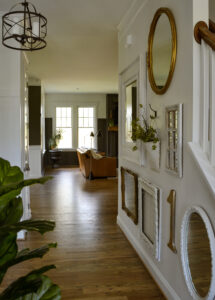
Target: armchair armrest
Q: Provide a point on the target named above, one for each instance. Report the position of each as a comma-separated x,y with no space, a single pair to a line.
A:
104,167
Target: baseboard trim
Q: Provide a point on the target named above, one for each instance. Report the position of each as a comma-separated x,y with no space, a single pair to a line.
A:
163,284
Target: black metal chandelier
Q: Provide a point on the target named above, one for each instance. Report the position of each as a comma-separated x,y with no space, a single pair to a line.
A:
23,28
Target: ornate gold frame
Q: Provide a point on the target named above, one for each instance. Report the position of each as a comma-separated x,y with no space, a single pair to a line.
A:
134,217
159,12
172,201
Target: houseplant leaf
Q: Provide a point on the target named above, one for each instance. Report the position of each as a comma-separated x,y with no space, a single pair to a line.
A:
40,226
19,185
9,174
11,211
33,284
25,285
24,255
47,291
8,251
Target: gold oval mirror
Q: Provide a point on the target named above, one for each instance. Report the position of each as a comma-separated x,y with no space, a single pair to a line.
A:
162,50
199,255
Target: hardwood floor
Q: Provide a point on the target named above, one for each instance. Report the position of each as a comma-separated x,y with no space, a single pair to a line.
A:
94,260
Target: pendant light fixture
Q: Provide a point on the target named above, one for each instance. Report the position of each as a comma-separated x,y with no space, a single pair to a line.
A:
23,28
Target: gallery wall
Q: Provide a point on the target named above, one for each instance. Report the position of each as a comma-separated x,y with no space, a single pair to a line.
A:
191,189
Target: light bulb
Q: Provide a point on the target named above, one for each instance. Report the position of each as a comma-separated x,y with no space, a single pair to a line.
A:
36,29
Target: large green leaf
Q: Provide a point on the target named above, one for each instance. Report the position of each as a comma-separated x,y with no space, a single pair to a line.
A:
12,212
24,255
40,226
6,198
18,185
25,285
9,174
8,251
33,286
47,291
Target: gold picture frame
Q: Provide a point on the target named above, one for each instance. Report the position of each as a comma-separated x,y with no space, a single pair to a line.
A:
168,13
130,201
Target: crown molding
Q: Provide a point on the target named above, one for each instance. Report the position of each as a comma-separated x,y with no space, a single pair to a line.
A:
130,16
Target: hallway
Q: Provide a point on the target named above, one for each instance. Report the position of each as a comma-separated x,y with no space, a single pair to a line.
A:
94,260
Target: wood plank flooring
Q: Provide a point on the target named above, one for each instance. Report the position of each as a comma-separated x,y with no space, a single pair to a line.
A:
94,260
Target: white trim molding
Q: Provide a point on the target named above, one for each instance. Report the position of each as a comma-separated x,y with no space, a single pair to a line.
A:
130,17
35,162
204,165
176,130
184,256
152,242
203,142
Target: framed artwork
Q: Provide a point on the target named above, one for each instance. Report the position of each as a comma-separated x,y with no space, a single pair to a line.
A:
150,214
198,253
129,188
174,130
130,91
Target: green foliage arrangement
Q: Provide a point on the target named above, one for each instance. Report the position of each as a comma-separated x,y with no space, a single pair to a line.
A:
34,285
144,131
55,139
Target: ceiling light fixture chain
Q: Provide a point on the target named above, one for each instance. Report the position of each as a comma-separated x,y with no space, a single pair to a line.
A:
23,28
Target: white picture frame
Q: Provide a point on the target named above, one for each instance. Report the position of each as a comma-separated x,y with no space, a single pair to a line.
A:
133,73
150,215
174,136
184,248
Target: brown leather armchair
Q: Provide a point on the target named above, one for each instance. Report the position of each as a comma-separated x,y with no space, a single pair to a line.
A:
103,167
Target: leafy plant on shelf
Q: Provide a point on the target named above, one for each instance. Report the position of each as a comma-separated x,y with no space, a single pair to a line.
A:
34,285
144,131
55,139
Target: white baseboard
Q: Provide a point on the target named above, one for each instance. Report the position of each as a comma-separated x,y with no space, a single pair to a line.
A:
154,271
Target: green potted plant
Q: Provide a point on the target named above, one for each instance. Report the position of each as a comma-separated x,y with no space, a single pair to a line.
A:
35,285
55,139
144,131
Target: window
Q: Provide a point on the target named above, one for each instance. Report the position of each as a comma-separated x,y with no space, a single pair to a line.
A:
64,123
85,127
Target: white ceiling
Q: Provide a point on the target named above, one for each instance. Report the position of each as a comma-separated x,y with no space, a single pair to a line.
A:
81,55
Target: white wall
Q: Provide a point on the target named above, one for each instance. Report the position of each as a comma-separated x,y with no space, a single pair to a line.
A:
75,100
12,84
10,105
191,188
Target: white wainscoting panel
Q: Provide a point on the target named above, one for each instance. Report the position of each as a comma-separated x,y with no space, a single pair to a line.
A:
35,161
